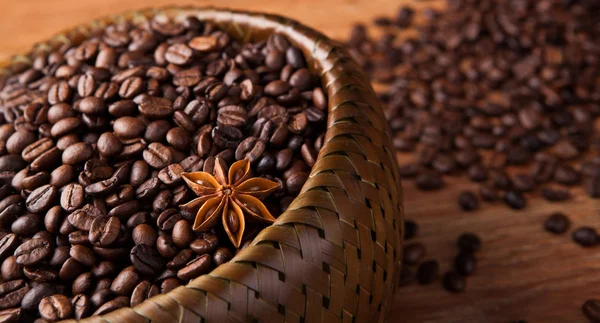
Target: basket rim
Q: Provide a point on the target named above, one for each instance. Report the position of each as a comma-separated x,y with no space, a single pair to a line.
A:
296,33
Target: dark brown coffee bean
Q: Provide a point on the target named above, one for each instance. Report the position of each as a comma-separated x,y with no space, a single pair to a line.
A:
167,219
35,149
555,195
566,175
171,175
33,251
83,255
155,108
468,201
11,315
65,126
102,188
129,127
429,181
109,145
142,292
12,293
557,223
55,307
464,263
19,140
27,225
146,260
165,246
72,197
585,236
70,270
195,268
514,200
10,270
34,296
82,306
181,259
182,234
295,182
221,256
469,242
123,211
104,230
148,189
11,163
77,153
157,155
591,310
428,272
125,281
453,282
413,253
125,194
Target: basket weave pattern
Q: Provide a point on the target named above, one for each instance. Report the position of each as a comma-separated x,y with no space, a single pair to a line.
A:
333,256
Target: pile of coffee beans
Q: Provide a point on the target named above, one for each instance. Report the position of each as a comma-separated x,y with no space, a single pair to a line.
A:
502,92
94,138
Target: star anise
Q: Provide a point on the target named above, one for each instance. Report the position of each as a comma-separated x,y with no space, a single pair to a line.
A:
232,197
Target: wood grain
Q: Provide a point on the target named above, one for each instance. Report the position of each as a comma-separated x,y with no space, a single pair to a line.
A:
523,272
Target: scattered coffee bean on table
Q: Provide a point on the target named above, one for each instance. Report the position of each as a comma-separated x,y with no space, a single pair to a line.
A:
591,310
468,201
428,272
106,146
585,236
557,223
453,282
481,90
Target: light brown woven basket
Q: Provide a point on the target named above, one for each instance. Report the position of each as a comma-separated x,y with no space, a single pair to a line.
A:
334,255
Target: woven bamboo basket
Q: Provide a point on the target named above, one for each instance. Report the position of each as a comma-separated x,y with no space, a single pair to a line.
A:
334,255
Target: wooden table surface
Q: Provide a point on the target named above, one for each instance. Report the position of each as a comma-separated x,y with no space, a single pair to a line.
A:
523,272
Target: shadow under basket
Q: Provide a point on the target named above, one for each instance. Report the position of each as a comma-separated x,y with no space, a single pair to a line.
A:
334,255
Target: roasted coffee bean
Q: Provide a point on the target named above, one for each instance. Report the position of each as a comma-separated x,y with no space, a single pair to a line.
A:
83,283
125,194
109,145
8,243
157,155
142,292
125,281
171,175
453,282
70,270
11,163
55,307
585,236
148,189
10,269
464,263
19,140
413,253
468,201
469,242
35,149
410,229
34,296
195,268
72,197
129,127
12,293
144,234
139,172
428,272
27,225
165,246
182,234
514,200
591,310
77,153
181,259
221,256
154,108
104,230
83,255
167,219
557,223
123,211
146,260
33,251
102,188
555,195
429,181
82,306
